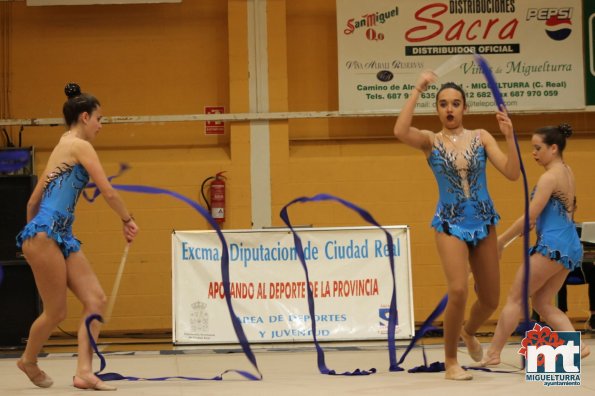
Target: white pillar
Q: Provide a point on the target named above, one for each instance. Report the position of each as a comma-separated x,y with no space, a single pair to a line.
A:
260,159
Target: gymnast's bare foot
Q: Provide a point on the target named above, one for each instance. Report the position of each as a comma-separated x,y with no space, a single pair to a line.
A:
91,382
456,373
34,373
489,360
585,351
473,345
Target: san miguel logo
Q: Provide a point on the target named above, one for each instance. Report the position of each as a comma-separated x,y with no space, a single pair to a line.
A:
369,22
558,21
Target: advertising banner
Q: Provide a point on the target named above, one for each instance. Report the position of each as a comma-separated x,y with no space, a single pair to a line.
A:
535,49
349,274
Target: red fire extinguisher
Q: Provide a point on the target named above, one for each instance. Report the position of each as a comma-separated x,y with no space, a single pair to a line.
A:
216,203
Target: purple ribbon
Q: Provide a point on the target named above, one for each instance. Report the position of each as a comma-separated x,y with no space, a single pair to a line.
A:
424,328
392,318
237,326
491,81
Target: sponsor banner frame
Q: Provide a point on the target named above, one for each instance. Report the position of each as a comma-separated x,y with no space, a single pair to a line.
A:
349,274
535,50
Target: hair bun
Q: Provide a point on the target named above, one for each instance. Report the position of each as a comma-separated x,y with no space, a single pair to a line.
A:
72,89
565,130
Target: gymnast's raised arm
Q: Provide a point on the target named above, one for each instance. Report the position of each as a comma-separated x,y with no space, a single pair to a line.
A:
416,138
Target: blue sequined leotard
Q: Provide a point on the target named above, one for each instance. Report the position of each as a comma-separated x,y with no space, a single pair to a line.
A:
465,209
557,238
56,211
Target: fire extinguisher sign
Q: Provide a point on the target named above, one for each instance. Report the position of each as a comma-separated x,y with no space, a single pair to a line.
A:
214,127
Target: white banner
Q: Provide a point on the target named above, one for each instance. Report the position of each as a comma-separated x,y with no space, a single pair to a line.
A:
349,274
534,48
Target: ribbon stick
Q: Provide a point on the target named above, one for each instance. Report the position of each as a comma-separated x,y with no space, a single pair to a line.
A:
112,300
511,241
451,63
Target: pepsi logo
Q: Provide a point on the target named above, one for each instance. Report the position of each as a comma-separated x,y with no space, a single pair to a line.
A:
558,28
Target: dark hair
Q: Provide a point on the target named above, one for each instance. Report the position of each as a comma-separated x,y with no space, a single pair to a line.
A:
454,86
77,103
555,135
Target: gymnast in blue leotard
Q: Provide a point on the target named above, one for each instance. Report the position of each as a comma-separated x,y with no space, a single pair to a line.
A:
465,209
557,238
557,250
56,211
54,254
465,217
